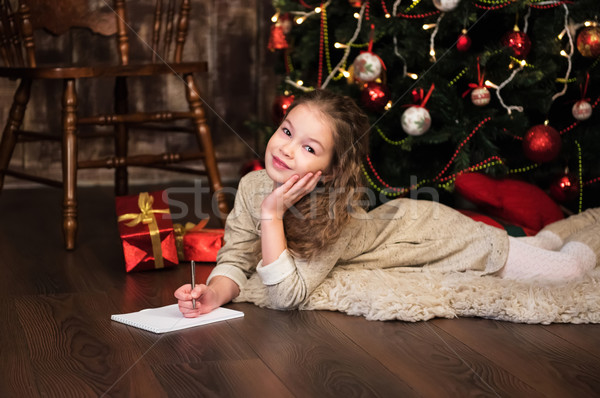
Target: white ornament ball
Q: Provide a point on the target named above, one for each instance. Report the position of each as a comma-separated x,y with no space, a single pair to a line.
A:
367,67
445,5
480,96
582,110
416,120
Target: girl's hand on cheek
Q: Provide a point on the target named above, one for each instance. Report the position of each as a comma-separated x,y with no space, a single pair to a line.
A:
284,196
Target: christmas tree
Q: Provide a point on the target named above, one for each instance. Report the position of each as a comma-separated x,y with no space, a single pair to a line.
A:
506,88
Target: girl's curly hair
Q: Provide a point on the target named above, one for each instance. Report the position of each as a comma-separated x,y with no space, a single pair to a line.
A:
318,218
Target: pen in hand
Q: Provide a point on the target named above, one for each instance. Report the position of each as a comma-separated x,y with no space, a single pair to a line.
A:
193,266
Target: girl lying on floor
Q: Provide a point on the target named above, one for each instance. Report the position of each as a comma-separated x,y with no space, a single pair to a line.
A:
304,214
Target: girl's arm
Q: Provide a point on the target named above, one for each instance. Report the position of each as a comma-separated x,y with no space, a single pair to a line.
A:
237,259
289,281
273,241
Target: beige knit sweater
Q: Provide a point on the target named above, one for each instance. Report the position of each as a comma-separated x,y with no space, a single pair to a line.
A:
402,235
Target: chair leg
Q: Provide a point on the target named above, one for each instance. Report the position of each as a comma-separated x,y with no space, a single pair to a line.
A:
69,160
14,122
121,136
205,140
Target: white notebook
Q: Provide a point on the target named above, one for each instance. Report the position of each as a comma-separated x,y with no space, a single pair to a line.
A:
168,318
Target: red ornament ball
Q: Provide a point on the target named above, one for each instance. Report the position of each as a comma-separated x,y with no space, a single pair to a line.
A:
588,41
565,188
251,165
464,42
375,96
582,110
480,96
519,42
280,107
541,143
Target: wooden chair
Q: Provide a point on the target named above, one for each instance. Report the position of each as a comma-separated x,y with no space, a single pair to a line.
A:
18,49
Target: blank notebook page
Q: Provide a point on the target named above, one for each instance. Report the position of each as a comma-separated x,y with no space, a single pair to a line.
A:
168,318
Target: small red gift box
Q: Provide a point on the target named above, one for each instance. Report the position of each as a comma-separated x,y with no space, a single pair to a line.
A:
194,242
146,231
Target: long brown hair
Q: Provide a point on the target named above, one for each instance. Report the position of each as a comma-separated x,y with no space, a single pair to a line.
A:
318,218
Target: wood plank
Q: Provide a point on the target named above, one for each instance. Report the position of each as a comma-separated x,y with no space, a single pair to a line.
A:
431,361
552,366
213,342
233,378
74,351
585,336
17,378
313,358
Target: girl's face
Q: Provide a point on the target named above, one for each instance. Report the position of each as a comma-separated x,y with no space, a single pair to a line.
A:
302,144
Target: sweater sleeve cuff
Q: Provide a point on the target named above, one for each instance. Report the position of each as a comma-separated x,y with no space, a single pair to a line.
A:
231,272
278,270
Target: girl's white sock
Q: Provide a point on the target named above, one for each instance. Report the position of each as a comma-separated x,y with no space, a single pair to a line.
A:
544,239
530,263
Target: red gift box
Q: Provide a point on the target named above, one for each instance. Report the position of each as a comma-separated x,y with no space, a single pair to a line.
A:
194,242
146,230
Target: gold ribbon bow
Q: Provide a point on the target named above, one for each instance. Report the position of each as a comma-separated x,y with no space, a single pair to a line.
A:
180,230
146,216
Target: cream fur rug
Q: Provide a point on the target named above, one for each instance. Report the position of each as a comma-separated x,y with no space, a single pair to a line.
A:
388,294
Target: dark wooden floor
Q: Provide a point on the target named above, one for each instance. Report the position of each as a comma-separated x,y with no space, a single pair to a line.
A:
57,339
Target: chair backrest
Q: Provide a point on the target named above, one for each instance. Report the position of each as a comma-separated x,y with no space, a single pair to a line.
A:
20,18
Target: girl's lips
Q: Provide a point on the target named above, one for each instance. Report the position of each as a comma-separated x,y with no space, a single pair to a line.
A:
278,163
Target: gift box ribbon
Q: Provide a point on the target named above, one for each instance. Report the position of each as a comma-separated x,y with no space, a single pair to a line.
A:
180,230
146,216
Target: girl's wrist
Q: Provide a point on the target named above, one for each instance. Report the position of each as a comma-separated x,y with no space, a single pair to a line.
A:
223,289
269,215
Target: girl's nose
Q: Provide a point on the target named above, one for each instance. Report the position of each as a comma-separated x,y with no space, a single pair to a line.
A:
286,150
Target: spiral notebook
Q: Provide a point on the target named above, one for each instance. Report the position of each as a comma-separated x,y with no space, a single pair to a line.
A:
168,318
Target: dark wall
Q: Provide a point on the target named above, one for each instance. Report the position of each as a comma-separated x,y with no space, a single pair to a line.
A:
230,34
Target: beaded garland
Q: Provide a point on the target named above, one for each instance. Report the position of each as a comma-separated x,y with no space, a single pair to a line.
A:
324,56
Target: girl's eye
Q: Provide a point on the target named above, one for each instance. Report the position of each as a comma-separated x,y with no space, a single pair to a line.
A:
309,149
286,131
